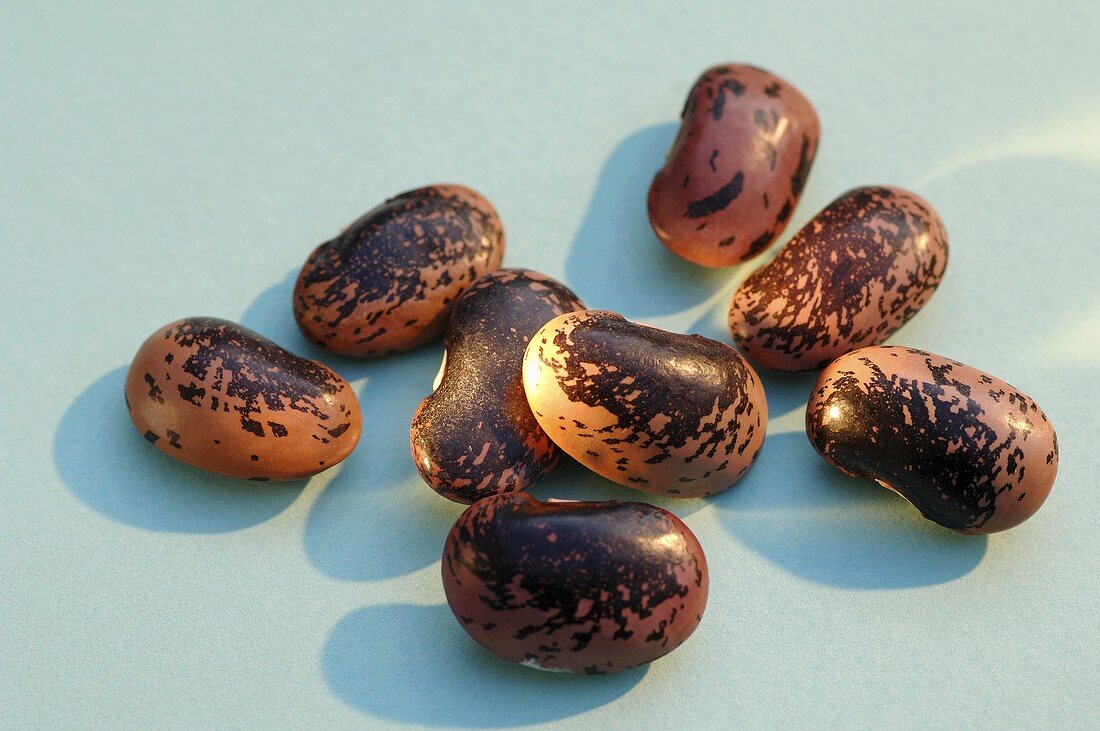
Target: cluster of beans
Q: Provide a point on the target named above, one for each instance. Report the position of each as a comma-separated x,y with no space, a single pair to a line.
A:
530,373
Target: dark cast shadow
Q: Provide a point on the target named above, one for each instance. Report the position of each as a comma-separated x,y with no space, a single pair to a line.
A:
414,664
1013,301
570,480
616,262
271,314
812,520
105,463
786,392
377,519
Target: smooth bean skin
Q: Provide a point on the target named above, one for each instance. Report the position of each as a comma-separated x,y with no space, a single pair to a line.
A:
968,450
578,587
389,281
218,396
850,278
661,412
475,435
737,168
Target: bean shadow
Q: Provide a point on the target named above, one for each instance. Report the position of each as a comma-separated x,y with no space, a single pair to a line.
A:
1018,287
787,393
571,480
106,464
1013,302
414,664
377,519
615,245
1020,298
819,524
272,315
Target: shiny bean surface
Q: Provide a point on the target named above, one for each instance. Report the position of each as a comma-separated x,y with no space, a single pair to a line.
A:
850,278
658,411
737,168
220,397
580,587
968,450
475,435
389,281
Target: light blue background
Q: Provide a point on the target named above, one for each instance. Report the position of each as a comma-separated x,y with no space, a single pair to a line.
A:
159,162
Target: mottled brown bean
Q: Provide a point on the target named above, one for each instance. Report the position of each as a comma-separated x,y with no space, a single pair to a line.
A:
658,411
475,435
737,168
218,396
388,282
575,587
968,450
850,278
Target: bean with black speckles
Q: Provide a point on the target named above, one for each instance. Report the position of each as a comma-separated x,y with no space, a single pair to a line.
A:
968,450
850,278
220,397
388,282
475,435
737,168
579,587
661,412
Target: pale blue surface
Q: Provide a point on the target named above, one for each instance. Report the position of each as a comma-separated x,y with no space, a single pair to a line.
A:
159,163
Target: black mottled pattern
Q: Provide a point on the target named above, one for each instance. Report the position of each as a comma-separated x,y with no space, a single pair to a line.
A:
720,221
618,563
395,254
644,376
717,200
476,435
850,278
258,375
925,437
734,87
805,161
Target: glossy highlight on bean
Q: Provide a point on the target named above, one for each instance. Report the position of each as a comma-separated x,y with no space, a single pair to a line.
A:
218,396
737,168
579,587
388,282
475,435
849,279
661,412
968,450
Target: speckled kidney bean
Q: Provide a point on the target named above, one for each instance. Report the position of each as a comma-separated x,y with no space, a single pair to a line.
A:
388,282
475,435
968,450
737,168
662,412
218,396
580,587
850,278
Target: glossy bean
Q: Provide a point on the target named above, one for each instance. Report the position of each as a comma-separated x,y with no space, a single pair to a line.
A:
737,168
658,411
475,435
389,281
850,278
968,450
220,397
580,587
